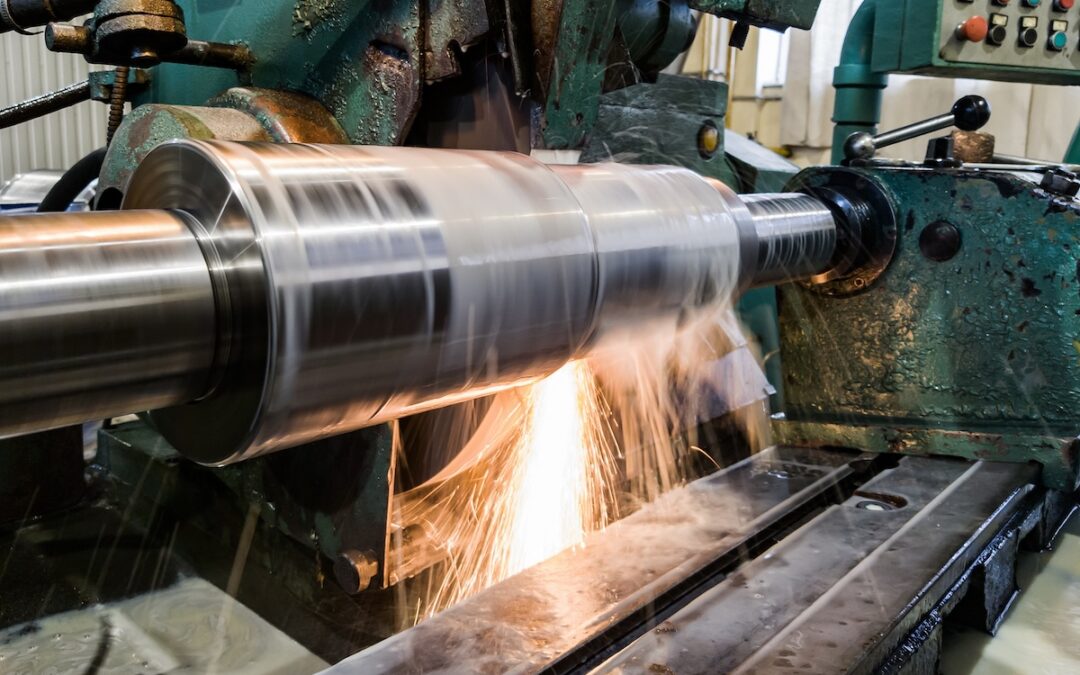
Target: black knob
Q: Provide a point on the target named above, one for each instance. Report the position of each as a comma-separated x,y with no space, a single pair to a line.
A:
997,35
1028,37
971,112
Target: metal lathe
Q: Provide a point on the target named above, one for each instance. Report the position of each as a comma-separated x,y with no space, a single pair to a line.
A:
323,220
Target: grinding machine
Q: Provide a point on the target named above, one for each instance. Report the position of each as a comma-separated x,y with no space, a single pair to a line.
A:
336,218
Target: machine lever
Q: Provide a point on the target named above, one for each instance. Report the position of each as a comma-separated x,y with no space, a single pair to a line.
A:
968,113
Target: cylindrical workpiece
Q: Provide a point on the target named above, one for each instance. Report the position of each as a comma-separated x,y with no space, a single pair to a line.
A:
666,241
795,234
294,292
368,283
100,314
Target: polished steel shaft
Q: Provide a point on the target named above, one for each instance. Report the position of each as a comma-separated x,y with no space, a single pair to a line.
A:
100,314
282,293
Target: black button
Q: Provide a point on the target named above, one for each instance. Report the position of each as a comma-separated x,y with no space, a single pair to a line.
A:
1029,37
940,241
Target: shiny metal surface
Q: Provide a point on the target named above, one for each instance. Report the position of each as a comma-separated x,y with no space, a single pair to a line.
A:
665,242
372,283
336,287
24,191
795,234
100,314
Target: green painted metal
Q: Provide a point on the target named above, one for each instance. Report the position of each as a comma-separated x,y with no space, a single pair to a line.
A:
1058,456
40,473
769,13
911,29
985,343
659,124
147,126
362,59
757,168
858,87
655,33
1072,155
572,70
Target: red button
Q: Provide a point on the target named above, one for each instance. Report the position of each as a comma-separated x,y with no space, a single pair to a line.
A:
974,29
1064,5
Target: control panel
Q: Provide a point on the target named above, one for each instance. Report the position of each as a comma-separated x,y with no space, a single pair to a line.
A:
1026,40
1024,33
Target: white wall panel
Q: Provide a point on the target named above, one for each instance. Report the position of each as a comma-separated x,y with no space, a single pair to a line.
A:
54,141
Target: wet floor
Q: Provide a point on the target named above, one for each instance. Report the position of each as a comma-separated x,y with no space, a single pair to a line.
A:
1042,632
190,627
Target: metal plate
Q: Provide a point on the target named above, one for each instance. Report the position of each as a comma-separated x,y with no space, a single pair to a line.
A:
569,603
1010,53
840,594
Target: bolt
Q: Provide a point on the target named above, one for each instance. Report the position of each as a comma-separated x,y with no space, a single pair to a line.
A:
940,241
116,103
144,57
1061,182
355,570
64,38
708,139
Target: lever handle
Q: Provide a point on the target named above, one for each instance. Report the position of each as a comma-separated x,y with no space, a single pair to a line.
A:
968,113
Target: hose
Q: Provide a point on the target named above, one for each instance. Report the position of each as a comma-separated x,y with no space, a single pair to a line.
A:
74,181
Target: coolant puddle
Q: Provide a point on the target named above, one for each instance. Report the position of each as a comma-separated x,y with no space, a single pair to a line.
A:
1042,633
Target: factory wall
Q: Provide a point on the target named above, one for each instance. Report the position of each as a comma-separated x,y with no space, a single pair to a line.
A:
55,141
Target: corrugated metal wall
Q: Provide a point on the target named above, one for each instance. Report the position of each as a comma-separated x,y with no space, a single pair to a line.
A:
55,141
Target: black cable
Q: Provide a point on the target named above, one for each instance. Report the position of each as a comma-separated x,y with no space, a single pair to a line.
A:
74,181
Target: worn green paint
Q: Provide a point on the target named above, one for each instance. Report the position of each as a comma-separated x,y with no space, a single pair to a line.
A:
771,13
987,342
577,61
1058,456
659,124
147,126
362,59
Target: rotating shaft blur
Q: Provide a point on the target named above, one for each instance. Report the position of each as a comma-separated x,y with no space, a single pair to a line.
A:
257,297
